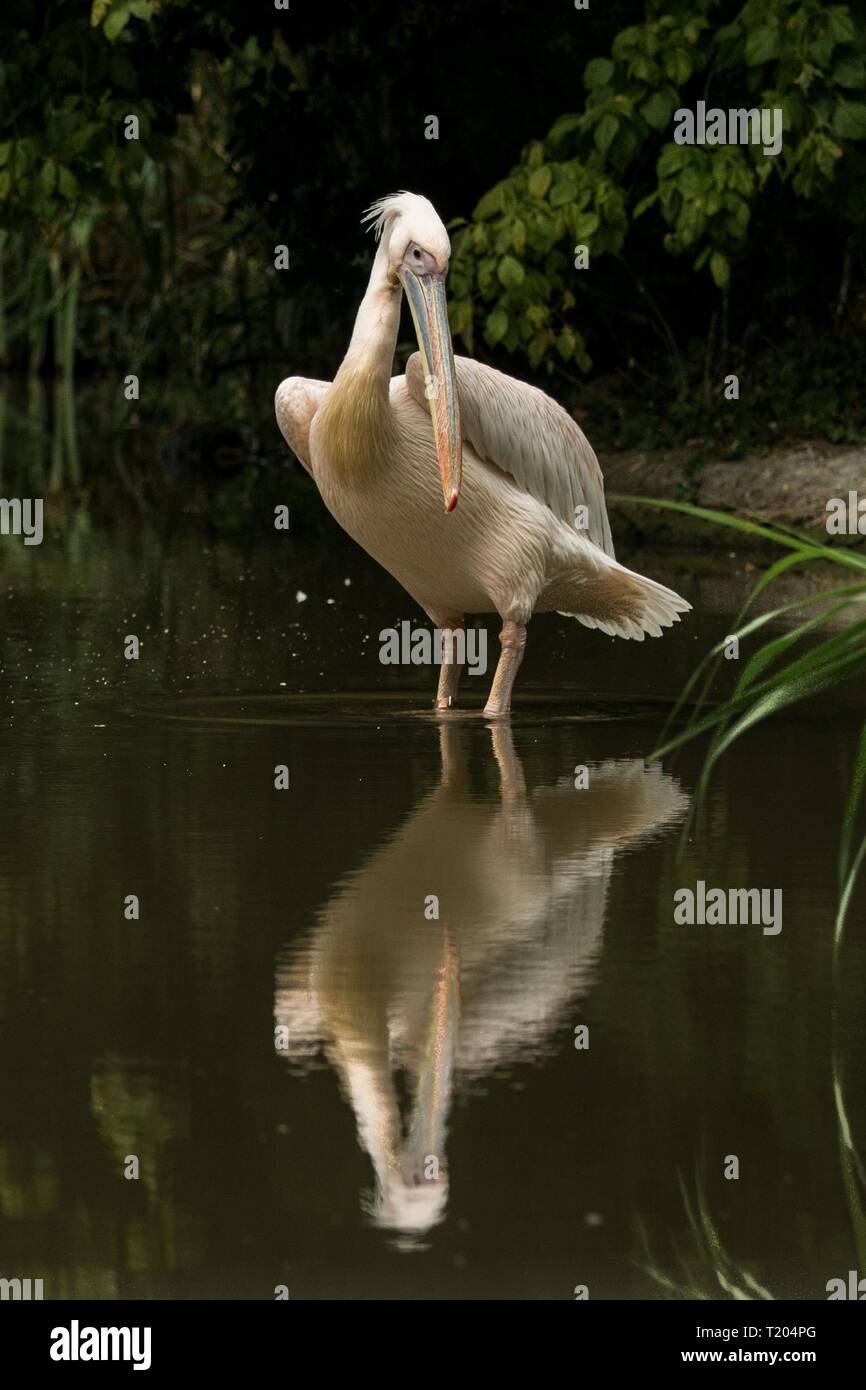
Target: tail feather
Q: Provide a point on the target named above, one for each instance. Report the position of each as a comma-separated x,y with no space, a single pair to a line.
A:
619,602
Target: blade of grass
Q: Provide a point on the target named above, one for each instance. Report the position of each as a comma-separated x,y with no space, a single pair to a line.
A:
808,685
852,591
852,1168
839,556
786,689
767,654
855,795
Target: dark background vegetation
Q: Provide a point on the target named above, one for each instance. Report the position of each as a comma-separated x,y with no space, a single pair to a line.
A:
261,126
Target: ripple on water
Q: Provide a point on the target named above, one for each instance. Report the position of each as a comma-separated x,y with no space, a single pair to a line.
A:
340,709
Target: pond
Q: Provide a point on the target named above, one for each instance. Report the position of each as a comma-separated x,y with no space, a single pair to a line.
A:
421,1022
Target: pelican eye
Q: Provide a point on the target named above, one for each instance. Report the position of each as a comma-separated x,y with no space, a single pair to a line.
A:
421,262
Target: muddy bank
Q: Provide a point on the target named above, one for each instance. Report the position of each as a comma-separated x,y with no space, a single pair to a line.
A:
791,487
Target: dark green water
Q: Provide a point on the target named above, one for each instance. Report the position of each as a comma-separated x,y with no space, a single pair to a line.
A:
408,1035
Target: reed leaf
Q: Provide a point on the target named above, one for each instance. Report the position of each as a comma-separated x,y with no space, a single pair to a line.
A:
813,668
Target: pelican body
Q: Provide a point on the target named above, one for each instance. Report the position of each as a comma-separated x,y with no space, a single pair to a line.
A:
530,533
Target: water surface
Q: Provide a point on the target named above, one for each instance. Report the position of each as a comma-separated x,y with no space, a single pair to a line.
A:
390,962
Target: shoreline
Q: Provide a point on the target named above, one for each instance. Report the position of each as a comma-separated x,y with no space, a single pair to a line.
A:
791,488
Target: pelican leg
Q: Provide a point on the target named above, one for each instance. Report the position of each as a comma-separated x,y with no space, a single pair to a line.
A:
512,639
451,669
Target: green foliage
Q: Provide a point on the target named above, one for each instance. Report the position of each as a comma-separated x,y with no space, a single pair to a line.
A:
141,251
514,255
257,127
601,170
63,150
159,251
808,385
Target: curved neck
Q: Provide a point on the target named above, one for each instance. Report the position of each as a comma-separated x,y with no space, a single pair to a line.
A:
377,322
355,423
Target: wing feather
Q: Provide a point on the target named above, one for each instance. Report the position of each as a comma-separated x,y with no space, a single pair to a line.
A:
525,434
296,401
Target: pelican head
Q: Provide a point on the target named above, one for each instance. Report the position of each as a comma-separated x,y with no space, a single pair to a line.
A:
418,251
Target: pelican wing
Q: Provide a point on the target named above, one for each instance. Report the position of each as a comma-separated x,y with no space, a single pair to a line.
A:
525,434
296,402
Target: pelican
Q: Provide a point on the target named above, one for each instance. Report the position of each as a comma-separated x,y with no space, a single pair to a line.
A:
531,533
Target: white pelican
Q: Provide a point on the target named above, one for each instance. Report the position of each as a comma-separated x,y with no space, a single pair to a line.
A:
531,534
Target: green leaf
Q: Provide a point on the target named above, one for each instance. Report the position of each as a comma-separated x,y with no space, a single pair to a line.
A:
539,181
538,347
656,111
720,269
678,66
564,190
627,41
496,326
486,272
643,69
762,45
671,160
850,72
66,184
564,126
627,142
460,315
81,138
605,132
585,224
22,157
480,236
822,50
840,25
849,120
116,20
565,344
491,203
510,272
645,204
598,72
541,230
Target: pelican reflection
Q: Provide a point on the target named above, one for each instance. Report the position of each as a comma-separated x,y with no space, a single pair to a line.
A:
403,1005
